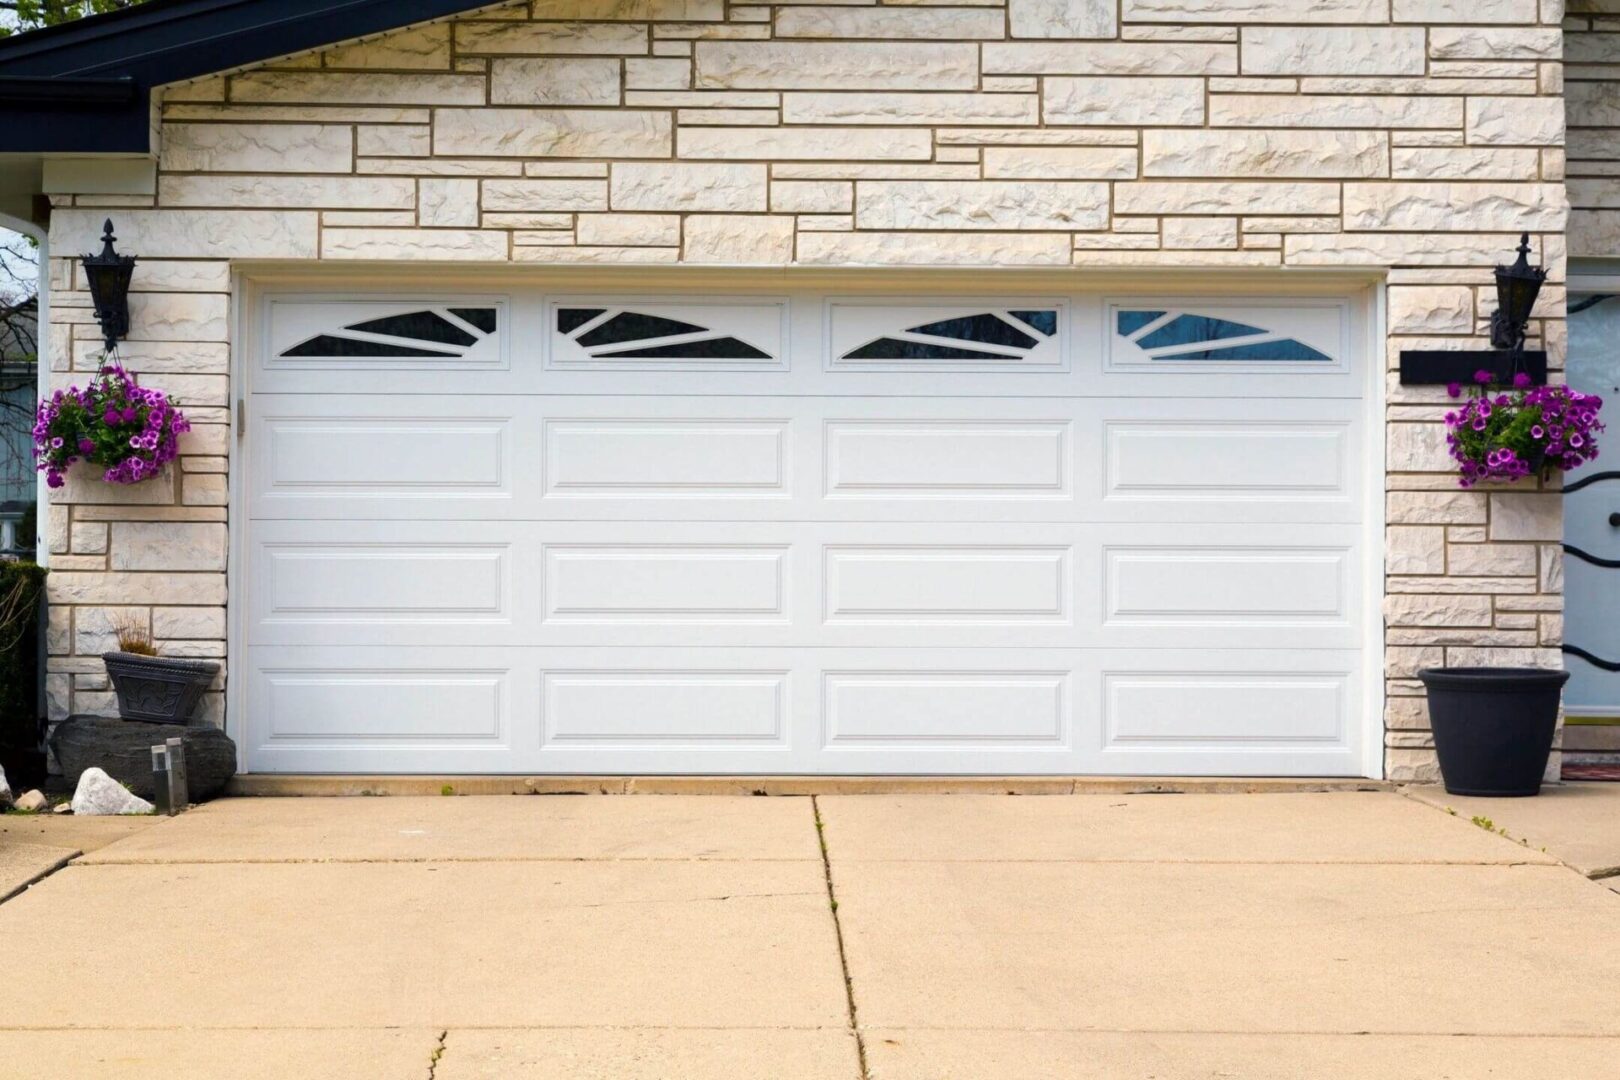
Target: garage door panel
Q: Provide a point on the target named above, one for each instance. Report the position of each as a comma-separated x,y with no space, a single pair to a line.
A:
643,459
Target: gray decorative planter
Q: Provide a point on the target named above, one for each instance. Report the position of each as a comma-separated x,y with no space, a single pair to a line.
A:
158,689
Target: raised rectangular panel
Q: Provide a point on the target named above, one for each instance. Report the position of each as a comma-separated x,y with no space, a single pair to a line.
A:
946,334
385,583
617,333
1232,711
666,458
1215,586
387,457
1015,459
678,583
382,704
414,333
1226,335
1237,459
943,708
707,707
947,584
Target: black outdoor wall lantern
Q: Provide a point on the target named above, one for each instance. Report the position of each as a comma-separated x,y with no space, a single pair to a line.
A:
1516,289
108,275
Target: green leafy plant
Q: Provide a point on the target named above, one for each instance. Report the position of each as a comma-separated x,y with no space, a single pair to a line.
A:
34,14
21,586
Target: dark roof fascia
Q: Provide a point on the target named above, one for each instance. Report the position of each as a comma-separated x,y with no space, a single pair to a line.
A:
85,86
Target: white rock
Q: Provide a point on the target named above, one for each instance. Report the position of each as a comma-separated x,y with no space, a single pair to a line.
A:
1454,207
5,790
1109,58
1518,121
688,186
739,238
936,249
982,204
1475,43
1256,11
1265,153
192,234
1223,197
301,148
100,794
63,808
618,133
1062,18
368,88
806,144
32,802
550,38
329,192
561,80
1314,50
901,107
1121,100
896,23
869,65
168,545
1334,111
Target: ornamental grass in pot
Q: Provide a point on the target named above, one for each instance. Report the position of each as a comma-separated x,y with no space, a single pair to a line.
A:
155,689
1494,726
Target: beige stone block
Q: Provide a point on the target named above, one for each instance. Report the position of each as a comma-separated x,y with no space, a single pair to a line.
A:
1466,11
812,196
1332,50
211,88
89,538
605,255
1488,560
1122,58
423,244
447,203
425,47
1526,516
806,144
193,234
1431,309
393,140
326,112
1060,163
1516,121
748,65
738,239
439,167
1062,18
909,108
1457,163
657,74
276,148
1417,610
1158,102
1265,153
544,195
1417,448
935,249
203,489
1212,233
620,133
688,186
826,222
555,80
197,623
988,204
1436,507
140,545
1404,662
369,88
1454,207
630,230
1481,43
89,587
1221,197
892,23
1334,111
179,316
1410,249
288,192
550,38
1256,11
632,10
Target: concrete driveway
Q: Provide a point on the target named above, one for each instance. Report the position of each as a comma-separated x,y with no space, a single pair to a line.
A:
909,937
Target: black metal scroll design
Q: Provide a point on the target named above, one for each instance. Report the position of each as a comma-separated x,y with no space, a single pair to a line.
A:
1595,560
1595,661
1589,480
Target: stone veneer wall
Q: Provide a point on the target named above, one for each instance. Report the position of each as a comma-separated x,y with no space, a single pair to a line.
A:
1420,135
1592,50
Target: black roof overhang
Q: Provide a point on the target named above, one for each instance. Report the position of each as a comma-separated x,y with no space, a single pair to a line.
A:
85,87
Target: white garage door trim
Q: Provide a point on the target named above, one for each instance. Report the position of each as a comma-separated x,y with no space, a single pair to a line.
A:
850,679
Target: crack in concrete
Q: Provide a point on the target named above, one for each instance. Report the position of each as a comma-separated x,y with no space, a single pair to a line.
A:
838,934
438,1052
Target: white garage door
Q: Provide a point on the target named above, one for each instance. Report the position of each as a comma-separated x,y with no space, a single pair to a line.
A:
532,531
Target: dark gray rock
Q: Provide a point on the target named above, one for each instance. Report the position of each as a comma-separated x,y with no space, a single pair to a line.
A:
124,749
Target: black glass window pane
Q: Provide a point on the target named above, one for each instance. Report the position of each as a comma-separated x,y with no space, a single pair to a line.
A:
726,348
634,326
421,325
985,329
1192,329
570,319
481,317
895,349
1288,349
1044,321
1132,321
327,345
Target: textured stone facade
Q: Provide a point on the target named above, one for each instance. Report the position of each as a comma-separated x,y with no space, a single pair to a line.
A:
1419,136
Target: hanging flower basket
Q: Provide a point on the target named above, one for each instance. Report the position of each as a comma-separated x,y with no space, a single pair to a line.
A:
128,430
1506,434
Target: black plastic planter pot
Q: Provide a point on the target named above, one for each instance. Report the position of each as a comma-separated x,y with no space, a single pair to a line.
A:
157,689
1493,727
